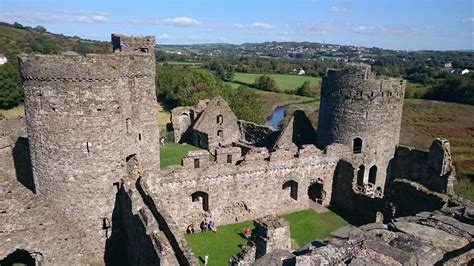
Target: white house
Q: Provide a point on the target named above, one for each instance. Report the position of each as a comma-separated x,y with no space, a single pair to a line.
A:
3,59
302,72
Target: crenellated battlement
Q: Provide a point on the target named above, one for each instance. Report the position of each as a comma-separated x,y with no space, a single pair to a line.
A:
357,82
124,43
88,68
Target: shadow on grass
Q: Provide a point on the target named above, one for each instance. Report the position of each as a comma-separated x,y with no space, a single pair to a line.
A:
351,219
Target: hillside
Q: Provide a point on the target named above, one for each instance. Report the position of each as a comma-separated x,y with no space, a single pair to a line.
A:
16,39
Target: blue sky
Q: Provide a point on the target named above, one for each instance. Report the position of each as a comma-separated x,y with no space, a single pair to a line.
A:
402,24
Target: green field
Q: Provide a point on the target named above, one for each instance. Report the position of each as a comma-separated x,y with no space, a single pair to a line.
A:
284,82
307,225
172,153
185,63
220,245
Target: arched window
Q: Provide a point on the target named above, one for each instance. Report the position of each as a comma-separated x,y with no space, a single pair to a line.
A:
220,133
201,197
360,175
293,186
219,119
357,145
373,174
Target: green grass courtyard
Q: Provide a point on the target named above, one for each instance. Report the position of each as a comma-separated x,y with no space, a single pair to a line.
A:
305,226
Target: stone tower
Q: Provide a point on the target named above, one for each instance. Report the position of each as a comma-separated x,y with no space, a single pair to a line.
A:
91,122
123,43
363,113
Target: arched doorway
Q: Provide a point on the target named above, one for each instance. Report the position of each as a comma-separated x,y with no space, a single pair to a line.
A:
293,187
203,197
316,192
18,257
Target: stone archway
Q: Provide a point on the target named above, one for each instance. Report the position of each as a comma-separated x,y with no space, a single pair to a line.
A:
21,257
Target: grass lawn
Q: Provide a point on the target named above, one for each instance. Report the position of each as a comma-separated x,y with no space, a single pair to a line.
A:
172,153
221,245
284,81
14,112
307,225
163,119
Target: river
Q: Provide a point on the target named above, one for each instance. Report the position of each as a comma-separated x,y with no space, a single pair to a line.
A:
276,118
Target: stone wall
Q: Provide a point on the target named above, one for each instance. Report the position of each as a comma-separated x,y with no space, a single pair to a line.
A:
123,43
257,135
355,105
13,149
85,115
433,169
271,233
230,193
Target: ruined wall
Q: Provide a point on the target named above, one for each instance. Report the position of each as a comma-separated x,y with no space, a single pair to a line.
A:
229,193
123,43
257,135
85,115
355,105
219,123
433,169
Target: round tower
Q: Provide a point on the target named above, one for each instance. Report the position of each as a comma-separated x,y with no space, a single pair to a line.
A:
363,113
91,122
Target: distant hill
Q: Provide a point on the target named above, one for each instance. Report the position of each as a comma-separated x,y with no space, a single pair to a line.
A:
16,39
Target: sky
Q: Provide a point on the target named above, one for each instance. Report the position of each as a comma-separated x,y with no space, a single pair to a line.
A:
391,24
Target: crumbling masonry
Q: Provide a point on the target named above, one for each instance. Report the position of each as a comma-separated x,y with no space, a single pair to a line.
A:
91,142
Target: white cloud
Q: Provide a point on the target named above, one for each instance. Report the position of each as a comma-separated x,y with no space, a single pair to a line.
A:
237,26
260,26
468,20
393,30
222,39
338,9
81,16
162,37
322,27
182,21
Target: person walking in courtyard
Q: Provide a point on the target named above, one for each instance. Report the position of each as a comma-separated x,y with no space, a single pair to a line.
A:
206,259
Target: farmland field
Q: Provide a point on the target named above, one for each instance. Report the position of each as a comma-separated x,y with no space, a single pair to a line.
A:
284,82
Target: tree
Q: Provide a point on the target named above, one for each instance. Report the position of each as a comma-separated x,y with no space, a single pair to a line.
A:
265,83
247,105
307,90
222,69
10,89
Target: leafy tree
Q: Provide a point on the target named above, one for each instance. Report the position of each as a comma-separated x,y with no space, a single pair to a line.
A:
265,83
247,105
455,88
222,69
307,90
10,89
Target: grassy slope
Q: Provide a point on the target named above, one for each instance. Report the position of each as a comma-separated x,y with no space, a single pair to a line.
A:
284,82
306,226
221,245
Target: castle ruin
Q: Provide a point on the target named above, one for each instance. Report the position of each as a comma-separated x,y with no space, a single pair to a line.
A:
100,195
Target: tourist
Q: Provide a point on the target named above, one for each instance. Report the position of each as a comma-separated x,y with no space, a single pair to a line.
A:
212,226
206,258
203,226
190,229
247,233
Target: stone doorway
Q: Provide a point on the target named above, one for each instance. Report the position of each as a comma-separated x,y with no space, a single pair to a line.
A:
316,192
